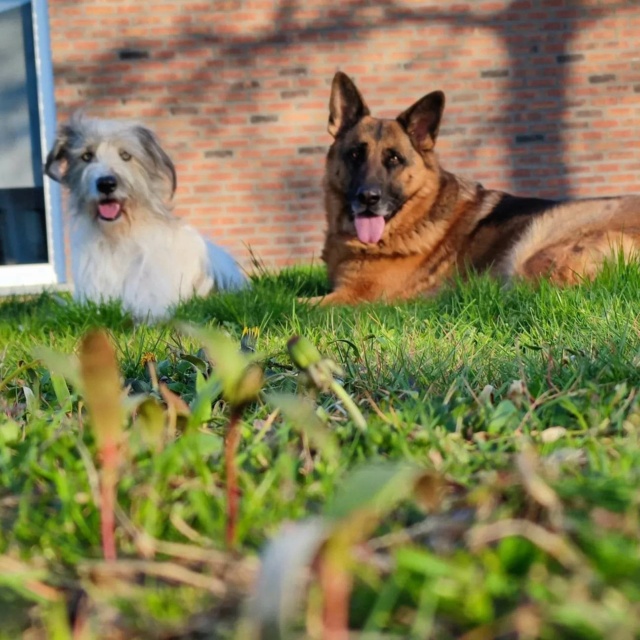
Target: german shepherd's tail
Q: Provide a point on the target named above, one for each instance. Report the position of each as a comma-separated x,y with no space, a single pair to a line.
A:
572,241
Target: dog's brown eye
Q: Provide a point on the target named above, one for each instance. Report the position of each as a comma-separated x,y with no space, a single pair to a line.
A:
87,156
356,154
394,159
125,155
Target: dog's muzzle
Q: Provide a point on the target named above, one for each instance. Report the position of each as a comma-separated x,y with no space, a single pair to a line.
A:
369,214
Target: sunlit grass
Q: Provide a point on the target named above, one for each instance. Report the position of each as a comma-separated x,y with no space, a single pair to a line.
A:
435,381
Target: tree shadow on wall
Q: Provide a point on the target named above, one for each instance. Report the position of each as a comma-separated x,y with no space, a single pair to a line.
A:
534,97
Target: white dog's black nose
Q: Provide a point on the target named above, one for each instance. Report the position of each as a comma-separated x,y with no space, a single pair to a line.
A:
106,184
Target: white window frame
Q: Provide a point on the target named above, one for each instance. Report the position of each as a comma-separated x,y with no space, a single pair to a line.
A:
25,278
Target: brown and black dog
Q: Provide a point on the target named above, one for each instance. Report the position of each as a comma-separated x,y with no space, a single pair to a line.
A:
399,225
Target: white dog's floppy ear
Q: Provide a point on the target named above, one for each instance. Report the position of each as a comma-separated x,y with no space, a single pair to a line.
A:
159,156
53,167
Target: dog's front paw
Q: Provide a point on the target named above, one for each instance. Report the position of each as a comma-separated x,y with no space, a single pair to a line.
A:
314,300
335,297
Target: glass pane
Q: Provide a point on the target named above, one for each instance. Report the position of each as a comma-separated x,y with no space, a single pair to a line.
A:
23,235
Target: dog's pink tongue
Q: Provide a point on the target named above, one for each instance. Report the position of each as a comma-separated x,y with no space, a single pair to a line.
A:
369,229
109,210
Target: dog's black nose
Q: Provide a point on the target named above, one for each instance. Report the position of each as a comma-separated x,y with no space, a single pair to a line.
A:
106,184
369,196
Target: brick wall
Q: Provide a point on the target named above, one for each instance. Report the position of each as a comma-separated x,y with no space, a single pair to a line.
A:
543,96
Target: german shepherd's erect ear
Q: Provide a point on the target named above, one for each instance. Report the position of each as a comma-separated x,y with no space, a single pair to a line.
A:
421,121
346,106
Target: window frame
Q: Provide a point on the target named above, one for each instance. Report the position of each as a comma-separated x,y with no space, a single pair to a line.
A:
26,278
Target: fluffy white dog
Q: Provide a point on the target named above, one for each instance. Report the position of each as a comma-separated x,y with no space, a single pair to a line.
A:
125,242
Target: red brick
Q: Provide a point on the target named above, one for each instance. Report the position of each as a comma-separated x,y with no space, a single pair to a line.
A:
213,66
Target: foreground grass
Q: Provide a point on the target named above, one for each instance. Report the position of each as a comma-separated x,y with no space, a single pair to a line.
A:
525,399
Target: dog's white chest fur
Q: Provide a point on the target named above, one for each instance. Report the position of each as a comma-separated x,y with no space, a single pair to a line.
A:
150,268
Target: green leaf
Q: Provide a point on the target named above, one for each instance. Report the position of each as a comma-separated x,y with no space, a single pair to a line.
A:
206,444
63,395
303,352
56,621
201,404
241,381
302,414
201,381
424,562
502,416
9,430
376,487
198,363
33,405
68,366
152,421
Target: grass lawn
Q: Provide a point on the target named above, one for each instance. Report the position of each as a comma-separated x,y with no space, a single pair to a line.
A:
521,404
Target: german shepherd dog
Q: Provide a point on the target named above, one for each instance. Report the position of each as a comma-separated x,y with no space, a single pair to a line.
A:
399,225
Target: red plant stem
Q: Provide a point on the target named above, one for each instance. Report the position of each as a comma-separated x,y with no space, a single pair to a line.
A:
81,625
335,582
233,493
110,457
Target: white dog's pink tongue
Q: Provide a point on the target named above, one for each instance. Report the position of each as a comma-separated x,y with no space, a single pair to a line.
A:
109,210
369,229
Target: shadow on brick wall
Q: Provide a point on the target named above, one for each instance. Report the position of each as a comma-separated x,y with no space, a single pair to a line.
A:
533,106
